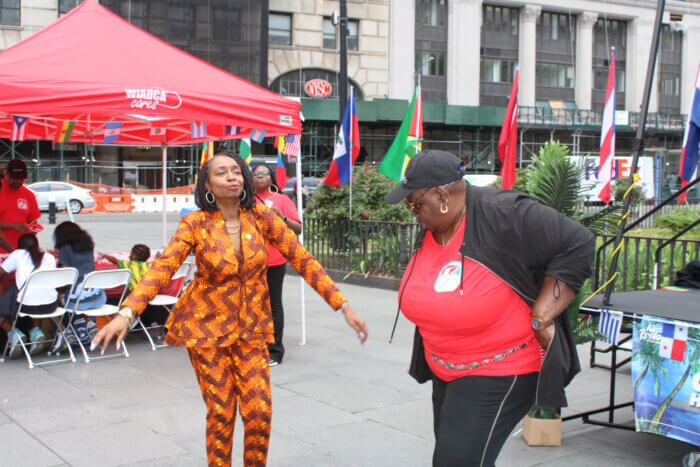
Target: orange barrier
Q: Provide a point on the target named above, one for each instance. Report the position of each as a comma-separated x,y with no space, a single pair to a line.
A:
99,188
113,203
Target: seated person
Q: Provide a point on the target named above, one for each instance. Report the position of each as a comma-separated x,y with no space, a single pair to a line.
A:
137,262
26,259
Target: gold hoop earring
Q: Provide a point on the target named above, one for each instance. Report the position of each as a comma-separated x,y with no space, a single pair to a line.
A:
276,190
444,208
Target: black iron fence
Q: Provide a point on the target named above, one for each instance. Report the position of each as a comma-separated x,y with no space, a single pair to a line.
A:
384,249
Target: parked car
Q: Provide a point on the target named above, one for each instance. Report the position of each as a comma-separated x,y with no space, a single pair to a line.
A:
309,185
62,193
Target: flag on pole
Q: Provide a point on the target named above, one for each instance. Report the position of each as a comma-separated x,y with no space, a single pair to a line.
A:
292,145
257,135
609,325
607,136
244,150
112,130
19,127
232,130
198,130
279,143
340,171
283,171
408,141
691,139
207,152
674,337
158,133
508,141
65,131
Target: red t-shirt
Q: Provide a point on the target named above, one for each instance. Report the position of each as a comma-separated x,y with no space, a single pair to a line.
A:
488,319
16,206
286,206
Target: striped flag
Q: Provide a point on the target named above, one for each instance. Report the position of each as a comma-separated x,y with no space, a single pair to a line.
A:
508,141
244,150
609,325
198,130
607,136
19,127
691,139
207,152
233,130
112,130
65,131
292,145
257,135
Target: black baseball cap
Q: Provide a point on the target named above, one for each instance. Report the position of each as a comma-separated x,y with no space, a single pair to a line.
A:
426,170
16,168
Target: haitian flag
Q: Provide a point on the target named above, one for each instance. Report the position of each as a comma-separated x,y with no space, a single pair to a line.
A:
691,139
112,130
347,146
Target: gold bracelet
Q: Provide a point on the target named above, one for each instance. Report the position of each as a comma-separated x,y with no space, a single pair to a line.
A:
128,314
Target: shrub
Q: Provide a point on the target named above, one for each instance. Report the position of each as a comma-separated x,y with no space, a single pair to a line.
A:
619,187
678,219
521,177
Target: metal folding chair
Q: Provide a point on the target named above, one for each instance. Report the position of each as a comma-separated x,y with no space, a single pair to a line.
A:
45,279
102,280
167,302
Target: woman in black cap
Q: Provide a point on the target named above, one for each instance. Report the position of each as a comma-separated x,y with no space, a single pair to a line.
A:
486,288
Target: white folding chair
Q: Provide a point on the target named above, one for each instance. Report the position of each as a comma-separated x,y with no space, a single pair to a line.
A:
50,279
166,301
102,280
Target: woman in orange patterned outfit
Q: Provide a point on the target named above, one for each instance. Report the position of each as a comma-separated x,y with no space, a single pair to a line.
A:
223,317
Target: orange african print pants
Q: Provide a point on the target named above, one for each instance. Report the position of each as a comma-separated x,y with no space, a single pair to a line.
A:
228,376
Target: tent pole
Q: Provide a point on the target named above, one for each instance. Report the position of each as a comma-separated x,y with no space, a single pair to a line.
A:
165,191
300,208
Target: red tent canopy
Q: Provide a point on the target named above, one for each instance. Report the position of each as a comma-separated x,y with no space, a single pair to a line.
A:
92,67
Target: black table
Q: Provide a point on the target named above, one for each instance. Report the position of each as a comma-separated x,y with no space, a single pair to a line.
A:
682,305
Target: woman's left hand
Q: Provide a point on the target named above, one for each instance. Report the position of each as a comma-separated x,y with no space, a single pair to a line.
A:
278,212
545,336
355,322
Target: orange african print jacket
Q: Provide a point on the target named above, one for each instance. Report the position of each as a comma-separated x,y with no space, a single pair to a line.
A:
228,299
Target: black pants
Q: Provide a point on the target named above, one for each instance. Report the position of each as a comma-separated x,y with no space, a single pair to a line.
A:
474,415
275,277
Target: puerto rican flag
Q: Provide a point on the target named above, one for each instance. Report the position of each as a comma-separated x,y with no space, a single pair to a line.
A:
347,145
674,337
691,139
198,130
19,127
607,136
112,130
233,130
257,135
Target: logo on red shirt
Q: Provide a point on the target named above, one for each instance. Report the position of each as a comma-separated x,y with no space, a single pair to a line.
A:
448,279
22,204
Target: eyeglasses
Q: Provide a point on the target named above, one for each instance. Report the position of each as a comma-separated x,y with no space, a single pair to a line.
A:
261,174
416,206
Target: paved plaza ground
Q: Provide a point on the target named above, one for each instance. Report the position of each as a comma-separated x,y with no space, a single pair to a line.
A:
335,403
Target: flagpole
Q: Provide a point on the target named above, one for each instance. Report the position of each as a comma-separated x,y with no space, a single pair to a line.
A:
165,190
300,208
352,97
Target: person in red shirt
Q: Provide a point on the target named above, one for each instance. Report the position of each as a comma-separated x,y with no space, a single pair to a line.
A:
269,193
484,337
19,206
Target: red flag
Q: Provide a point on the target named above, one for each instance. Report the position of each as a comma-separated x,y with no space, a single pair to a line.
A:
607,136
508,142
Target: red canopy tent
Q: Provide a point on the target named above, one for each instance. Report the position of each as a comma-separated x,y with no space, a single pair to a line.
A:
94,69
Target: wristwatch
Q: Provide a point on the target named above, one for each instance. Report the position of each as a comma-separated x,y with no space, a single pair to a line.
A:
538,323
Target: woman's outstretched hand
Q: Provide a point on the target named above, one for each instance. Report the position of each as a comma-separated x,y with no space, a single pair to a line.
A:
116,328
355,322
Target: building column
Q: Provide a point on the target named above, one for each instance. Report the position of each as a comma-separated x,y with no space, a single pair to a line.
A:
639,33
584,59
463,51
528,54
402,48
690,57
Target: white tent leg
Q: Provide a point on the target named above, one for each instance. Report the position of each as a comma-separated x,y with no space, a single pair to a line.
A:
300,208
165,191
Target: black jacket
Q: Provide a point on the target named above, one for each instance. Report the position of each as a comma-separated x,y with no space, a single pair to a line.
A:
521,241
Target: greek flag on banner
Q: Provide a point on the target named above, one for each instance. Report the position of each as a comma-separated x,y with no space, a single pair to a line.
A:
609,325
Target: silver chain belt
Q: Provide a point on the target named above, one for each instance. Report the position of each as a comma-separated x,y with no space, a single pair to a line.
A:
472,365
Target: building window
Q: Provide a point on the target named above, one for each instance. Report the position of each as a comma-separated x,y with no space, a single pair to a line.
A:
431,12
669,74
64,6
180,24
292,83
500,19
670,40
227,25
9,12
353,28
494,70
135,11
329,32
600,79
430,63
280,29
555,75
669,84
